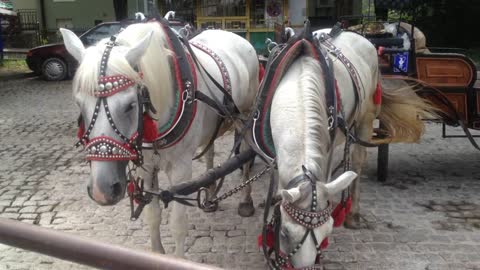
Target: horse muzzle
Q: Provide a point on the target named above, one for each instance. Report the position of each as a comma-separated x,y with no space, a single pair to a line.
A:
108,182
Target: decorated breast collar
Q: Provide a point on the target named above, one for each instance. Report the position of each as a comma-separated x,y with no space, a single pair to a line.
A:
183,112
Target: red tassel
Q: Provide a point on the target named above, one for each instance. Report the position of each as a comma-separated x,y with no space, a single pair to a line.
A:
80,131
261,72
348,205
150,130
338,215
338,220
130,188
377,97
324,243
270,238
336,211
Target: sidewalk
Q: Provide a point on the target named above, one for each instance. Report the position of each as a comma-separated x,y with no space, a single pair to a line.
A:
6,75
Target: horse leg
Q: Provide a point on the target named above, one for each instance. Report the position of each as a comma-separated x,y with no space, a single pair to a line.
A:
153,211
245,207
209,156
359,154
178,216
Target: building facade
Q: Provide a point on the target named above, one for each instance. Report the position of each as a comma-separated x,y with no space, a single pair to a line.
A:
257,20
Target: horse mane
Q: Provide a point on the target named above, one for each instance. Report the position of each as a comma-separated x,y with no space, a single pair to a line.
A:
316,136
154,64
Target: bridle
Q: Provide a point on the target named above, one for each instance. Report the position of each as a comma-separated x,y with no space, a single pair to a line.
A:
104,148
310,219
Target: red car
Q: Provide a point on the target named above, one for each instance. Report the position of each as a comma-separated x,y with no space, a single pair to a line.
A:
54,63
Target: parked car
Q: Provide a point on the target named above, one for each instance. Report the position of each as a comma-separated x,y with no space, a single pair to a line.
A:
54,63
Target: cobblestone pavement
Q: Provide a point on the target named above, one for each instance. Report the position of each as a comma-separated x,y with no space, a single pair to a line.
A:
426,216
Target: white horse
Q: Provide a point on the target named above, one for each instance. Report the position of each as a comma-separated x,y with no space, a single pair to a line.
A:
300,133
145,47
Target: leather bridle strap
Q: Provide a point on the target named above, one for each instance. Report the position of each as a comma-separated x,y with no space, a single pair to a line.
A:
283,260
276,219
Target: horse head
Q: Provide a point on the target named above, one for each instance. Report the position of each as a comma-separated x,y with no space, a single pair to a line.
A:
305,218
107,88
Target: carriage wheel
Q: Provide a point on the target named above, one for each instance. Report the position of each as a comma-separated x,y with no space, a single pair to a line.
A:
382,163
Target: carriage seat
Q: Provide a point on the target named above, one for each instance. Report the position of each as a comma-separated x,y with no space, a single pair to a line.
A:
446,70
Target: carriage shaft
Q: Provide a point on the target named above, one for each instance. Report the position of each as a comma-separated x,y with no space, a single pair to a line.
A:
213,174
86,251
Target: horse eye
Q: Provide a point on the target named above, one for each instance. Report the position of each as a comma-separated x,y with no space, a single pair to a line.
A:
130,107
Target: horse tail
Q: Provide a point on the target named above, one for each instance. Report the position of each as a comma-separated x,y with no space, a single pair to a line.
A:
402,111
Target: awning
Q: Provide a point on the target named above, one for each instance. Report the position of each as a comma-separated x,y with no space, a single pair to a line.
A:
7,12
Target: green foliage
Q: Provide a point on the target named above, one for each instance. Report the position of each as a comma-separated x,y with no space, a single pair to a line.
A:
14,65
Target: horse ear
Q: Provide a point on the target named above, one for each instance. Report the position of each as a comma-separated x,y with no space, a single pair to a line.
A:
340,183
73,44
294,194
136,52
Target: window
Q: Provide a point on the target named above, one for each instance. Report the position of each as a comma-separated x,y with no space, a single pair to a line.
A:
99,33
257,14
222,8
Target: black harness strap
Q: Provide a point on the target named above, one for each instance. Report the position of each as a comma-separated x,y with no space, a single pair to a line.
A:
229,108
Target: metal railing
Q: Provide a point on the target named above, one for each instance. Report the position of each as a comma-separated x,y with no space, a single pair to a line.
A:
86,251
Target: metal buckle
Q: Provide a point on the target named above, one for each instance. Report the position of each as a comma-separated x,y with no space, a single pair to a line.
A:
204,203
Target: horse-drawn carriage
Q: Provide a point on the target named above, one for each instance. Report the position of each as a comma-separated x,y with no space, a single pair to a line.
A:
445,76
149,84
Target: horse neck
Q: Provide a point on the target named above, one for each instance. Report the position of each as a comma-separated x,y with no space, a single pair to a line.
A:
299,121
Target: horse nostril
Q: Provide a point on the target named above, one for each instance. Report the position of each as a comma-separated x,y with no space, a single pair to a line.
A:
117,189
